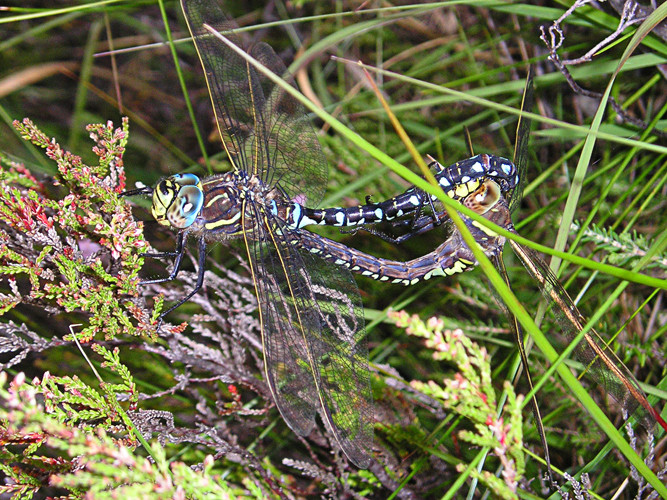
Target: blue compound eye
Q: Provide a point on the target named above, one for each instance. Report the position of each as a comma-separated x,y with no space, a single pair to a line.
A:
186,206
177,200
186,179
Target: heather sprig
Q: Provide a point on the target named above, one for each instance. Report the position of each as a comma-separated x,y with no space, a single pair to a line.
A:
80,252
470,393
623,247
90,464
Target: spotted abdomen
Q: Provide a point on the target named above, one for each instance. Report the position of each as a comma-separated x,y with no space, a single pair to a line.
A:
458,181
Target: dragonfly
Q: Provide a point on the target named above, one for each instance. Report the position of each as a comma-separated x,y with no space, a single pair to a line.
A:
311,316
601,364
310,313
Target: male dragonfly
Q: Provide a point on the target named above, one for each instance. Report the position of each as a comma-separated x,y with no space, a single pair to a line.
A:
311,318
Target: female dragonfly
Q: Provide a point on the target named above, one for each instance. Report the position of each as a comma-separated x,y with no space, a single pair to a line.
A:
310,313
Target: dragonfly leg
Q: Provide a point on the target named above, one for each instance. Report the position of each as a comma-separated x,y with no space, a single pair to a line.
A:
396,240
418,223
198,285
136,192
178,253
417,226
420,226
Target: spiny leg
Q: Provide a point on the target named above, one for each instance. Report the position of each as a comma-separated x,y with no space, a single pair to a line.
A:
180,251
146,190
418,226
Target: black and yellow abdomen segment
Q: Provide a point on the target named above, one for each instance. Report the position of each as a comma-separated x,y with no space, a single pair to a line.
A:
458,181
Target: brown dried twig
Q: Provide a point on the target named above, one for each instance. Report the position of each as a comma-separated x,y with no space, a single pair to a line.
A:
553,38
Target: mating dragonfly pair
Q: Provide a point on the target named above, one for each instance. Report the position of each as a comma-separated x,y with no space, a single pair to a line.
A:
310,312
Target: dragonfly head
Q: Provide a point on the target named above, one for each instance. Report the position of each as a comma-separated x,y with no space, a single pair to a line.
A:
483,198
177,200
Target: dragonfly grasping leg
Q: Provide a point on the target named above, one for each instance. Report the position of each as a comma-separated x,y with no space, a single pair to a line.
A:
200,278
178,253
417,226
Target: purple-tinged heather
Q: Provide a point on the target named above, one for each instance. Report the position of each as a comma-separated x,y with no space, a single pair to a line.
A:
80,253
470,393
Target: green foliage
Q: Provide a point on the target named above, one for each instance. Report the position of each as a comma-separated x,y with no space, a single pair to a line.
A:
79,253
622,248
85,462
70,254
470,393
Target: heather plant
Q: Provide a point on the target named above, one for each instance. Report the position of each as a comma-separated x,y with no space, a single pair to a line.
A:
79,253
42,448
470,394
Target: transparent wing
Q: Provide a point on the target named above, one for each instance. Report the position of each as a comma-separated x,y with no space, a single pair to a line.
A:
520,159
602,364
314,341
293,151
517,332
265,131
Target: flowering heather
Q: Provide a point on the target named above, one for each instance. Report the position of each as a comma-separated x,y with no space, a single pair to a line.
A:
79,253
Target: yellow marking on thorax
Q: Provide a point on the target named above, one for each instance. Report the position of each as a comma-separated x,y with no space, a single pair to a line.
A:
484,229
216,198
223,222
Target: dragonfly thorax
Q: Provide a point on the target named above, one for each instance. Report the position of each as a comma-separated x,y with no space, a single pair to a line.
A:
232,205
499,213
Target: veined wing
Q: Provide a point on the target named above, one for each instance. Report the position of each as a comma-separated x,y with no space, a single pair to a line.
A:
520,160
602,364
315,352
265,131
521,141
